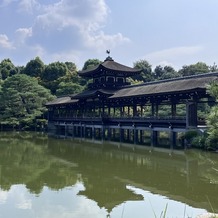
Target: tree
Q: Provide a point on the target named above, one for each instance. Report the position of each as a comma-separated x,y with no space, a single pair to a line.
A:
146,74
22,100
166,72
68,88
91,63
53,74
34,68
194,69
7,69
72,74
213,68
212,119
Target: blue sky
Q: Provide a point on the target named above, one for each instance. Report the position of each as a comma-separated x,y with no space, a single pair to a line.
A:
169,32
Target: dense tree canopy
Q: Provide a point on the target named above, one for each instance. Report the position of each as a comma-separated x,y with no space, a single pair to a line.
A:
68,88
34,68
212,119
53,74
90,63
194,69
146,74
165,72
7,69
22,100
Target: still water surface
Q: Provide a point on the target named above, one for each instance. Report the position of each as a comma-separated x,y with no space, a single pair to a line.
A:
46,177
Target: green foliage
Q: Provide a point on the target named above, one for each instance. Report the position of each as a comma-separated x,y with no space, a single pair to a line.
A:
7,69
91,63
194,69
190,135
53,74
146,74
34,68
212,119
166,72
67,88
22,101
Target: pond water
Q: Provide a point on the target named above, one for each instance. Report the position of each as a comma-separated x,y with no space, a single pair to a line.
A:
46,177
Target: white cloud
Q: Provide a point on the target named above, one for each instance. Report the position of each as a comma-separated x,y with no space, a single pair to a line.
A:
22,34
28,6
84,19
174,52
83,14
72,55
173,55
5,43
61,29
101,41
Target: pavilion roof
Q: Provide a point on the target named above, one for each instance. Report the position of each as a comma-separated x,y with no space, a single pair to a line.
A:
92,93
111,66
179,85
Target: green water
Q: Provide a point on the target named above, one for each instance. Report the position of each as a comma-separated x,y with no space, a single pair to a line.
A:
47,177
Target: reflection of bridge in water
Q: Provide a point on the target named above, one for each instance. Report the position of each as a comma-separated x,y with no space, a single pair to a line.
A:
111,109
107,170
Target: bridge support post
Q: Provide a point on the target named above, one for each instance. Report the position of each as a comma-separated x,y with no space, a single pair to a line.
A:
173,137
154,138
191,114
109,133
141,137
102,135
121,134
93,132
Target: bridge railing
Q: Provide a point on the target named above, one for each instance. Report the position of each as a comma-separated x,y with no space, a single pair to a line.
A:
117,118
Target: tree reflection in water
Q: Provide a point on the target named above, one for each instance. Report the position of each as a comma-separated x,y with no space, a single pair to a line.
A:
110,175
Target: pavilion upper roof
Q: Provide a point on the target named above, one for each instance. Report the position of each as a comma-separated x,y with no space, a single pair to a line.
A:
111,67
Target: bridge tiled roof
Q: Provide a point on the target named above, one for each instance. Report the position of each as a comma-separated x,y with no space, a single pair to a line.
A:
62,100
179,85
171,86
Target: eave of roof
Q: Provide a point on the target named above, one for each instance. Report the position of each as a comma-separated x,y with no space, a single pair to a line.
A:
92,93
61,101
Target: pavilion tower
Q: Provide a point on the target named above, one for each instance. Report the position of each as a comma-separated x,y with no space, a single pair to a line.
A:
109,75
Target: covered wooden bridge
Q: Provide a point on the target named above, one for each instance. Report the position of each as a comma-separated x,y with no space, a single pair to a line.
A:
152,113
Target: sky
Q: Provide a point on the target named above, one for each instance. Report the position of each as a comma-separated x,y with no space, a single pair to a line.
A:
163,32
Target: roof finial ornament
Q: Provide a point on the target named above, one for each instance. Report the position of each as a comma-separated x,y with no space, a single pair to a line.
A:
108,52
108,57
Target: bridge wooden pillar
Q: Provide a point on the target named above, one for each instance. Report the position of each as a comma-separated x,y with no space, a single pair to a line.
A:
134,110
191,114
173,109
121,134
173,137
154,138
154,108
